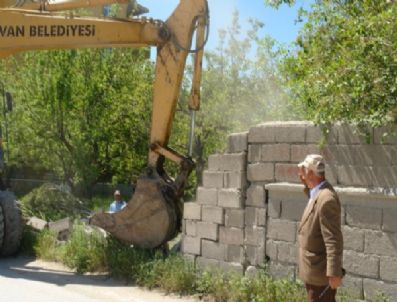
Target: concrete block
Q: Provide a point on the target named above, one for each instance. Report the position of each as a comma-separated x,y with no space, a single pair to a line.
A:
234,218
254,236
292,210
353,238
233,162
260,172
207,230
280,270
261,216
37,223
286,172
230,198
237,180
256,196
213,179
388,269
263,133
281,230
290,133
207,196
343,215
190,258
380,243
233,236
205,264
231,267
350,135
61,225
191,245
235,253
237,142
381,135
389,222
271,249
191,228
191,210
213,214
364,217
213,250
354,286
349,175
361,264
373,287
250,216
287,252
299,152
384,176
255,255
254,153
314,134
274,208
275,153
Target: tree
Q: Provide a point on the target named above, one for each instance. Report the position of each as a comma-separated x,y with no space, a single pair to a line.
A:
344,68
83,114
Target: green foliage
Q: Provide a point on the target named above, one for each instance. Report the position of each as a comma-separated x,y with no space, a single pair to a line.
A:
85,251
87,119
49,202
345,67
29,241
47,246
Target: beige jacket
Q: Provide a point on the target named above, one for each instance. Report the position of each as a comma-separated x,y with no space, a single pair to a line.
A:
320,238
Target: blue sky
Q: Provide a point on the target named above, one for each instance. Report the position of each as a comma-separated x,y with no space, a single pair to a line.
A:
280,23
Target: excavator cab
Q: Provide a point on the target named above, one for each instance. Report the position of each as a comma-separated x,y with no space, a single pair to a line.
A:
153,216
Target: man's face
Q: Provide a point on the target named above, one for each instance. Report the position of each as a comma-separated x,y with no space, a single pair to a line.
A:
117,197
306,176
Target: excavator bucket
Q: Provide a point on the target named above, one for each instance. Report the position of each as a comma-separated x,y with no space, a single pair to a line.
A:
151,218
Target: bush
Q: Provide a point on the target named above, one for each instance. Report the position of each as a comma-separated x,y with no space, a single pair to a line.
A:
86,250
47,246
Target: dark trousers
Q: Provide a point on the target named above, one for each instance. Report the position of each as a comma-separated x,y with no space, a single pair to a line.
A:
314,292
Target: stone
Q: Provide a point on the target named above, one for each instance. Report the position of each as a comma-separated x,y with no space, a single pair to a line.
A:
207,196
191,228
389,223
274,208
213,250
349,175
364,217
256,196
213,179
261,216
234,218
353,239
252,271
205,264
361,264
380,243
236,180
350,135
286,173
299,152
275,153
61,225
373,287
287,252
230,198
191,210
260,172
234,253
281,230
250,216
233,162
271,249
237,142
254,153
37,223
292,210
231,267
191,245
254,236
255,255
281,271
213,214
388,269
233,236
354,286
207,230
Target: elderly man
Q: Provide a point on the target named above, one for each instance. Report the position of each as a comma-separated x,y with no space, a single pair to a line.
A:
320,236
118,204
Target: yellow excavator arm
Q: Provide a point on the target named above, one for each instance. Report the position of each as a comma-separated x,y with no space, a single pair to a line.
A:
153,215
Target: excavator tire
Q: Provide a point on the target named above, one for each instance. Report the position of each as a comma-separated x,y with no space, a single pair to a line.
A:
11,225
150,218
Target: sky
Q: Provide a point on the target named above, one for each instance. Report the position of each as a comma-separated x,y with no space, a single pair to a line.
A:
280,24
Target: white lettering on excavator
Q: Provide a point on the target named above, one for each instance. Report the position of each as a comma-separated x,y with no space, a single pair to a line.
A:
84,30
12,31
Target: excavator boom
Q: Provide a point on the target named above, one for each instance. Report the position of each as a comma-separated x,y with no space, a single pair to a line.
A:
153,215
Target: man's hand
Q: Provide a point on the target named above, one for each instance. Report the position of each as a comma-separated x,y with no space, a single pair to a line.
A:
334,282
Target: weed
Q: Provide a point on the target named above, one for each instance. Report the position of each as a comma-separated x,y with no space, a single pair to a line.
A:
47,246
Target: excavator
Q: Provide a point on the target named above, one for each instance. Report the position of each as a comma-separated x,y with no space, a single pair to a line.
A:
153,215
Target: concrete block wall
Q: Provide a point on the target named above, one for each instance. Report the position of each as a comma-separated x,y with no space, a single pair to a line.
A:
250,204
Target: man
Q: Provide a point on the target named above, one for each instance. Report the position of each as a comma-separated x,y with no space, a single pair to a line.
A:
320,237
118,204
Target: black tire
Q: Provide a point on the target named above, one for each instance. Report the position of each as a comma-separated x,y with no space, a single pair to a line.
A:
12,226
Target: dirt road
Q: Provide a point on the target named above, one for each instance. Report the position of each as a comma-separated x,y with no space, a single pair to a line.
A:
29,280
